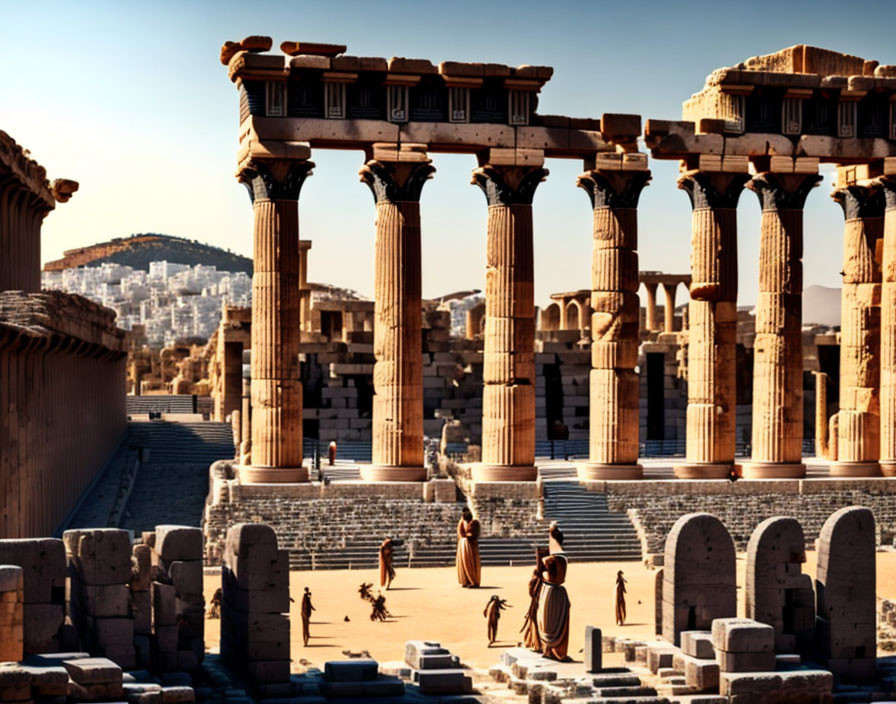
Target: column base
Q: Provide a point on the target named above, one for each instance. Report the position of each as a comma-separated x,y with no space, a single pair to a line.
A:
252,474
705,470
391,473
602,470
773,470
483,472
888,468
855,469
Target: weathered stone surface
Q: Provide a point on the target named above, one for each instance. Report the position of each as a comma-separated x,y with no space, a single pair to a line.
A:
100,555
697,644
43,563
178,542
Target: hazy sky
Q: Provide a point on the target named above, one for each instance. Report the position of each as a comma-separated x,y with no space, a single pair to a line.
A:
131,101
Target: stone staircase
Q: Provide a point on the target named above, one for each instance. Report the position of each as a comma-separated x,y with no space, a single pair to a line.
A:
164,403
182,443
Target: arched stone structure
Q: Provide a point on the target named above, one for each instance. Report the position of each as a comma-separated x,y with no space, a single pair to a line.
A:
550,316
574,316
476,321
699,575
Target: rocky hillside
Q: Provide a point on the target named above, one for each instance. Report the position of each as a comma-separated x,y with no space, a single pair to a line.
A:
139,250
821,305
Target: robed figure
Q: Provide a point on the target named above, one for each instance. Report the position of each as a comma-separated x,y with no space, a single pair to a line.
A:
468,565
553,606
307,608
387,571
620,599
492,612
531,637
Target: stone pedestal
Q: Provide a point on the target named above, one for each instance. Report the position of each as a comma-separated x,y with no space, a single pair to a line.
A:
396,177
778,347
712,321
888,334
858,443
508,178
274,187
613,433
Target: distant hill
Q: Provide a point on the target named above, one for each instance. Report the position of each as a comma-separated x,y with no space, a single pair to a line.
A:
139,250
821,305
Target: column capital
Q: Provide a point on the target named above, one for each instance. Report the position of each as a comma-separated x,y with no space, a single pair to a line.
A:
275,179
395,181
865,201
713,189
509,184
888,186
613,189
783,191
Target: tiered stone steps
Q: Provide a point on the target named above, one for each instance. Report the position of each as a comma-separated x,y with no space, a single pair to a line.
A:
164,403
182,443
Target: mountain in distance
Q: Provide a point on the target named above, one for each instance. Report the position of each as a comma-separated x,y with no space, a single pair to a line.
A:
139,250
821,306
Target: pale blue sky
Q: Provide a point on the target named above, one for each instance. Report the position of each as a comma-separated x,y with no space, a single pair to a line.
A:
132,102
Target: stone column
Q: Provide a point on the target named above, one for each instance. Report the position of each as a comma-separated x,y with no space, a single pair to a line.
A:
712,322
304,289
650,320
613,428
669,311
778,347
274,186
821,415
508,178
396,177
858,444
888,334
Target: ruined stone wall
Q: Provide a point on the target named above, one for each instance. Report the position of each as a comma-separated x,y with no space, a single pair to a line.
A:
655,506
62,364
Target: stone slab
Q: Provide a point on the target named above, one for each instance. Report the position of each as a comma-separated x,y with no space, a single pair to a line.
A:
742,635
697,644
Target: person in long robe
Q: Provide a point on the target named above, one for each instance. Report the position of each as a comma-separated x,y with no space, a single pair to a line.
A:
469,567
387,571
553,607
307,608
492,612
620,599
531,636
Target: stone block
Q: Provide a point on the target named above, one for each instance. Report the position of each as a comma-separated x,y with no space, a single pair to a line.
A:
593,649
108,632
179,542
178,695
350,670
745,662
658,657
268,671
104,600
43,565
415,649
141,568
452,681
796,687
141,610
699,673
186,576
92,670
41,627
164,611
254,601
697,644
99,555
742,635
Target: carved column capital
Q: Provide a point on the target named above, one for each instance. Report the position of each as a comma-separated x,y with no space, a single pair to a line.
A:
888,186
713,189
613,189
783,191
508,185
860,201
275,179
396,181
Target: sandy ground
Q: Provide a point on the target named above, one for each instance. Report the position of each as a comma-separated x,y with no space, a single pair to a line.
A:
429,604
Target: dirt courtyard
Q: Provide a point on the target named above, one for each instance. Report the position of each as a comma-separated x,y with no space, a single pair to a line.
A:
429,604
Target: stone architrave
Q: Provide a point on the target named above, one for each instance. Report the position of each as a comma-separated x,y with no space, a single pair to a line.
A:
396,178
274,186
888,334
777,592
778,347
613,434
858,442
509,178
712,321
699,575
845,584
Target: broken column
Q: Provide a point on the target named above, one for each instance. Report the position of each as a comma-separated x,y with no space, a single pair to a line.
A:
845,586
613,434
274,186
12,612
508,178
712,321
778,347
396,176
699,579
888,333
100,605
255,606
858,445
777,591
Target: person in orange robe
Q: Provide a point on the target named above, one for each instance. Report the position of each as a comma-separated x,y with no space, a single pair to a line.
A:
387,571
468,565
531,637
553,606
620,599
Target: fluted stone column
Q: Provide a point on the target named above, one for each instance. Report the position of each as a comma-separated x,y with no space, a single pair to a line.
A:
888,334
650,321
821,415
508,395
858,420
398,329
669,310
778,347
274,186
613,424
712,322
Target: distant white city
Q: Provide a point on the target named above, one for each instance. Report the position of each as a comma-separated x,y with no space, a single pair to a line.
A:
172,301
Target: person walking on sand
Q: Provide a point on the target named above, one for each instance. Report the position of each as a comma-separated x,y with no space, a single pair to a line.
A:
307,608
620,599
